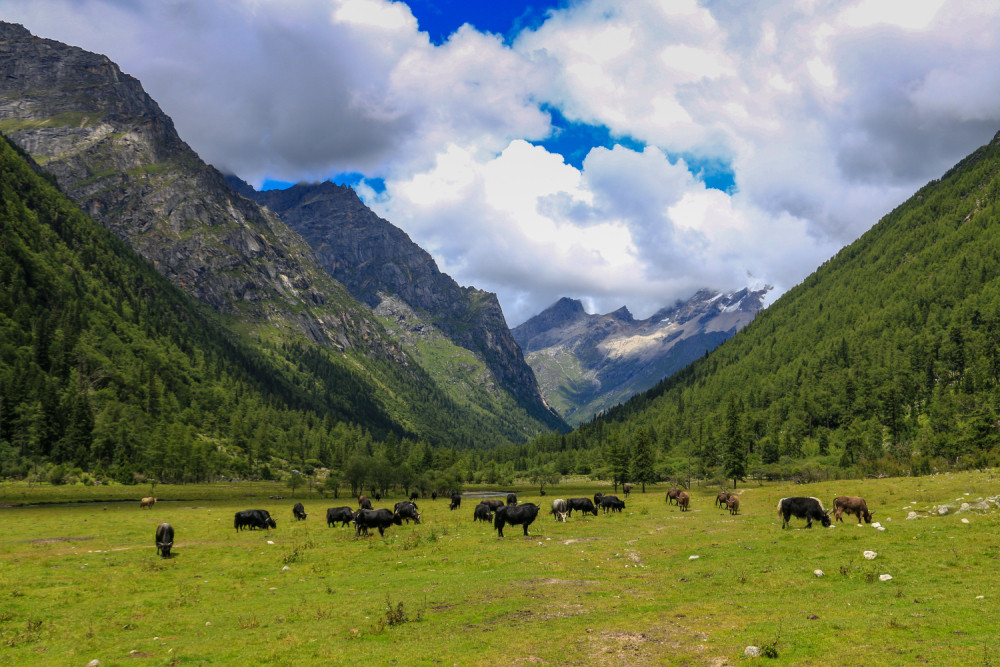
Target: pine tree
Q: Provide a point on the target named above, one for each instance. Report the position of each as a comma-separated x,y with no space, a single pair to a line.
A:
735,462
643,458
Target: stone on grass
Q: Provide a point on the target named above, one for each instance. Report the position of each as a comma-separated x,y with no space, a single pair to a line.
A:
875,525
751,652
693,557
965,521
97,663
911,516
881,529
285,569
885,577
942,511
818,573
870,555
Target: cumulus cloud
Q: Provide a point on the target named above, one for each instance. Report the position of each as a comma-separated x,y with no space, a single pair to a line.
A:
828,114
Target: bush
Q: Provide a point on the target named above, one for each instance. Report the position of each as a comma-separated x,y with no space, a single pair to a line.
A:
57,475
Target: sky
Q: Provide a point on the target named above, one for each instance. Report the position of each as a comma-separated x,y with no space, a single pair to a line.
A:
621,153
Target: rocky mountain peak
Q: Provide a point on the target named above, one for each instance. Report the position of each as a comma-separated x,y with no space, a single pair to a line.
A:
587,363
622,315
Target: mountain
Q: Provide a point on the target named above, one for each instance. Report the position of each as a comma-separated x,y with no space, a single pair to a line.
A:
107,366
587,363
885,360
117,155
381,266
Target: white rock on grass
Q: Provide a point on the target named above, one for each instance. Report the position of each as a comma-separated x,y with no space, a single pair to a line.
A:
885,577
942,511
751,652
870,555
911,516
965,521
285,569
818,573
881,529
875,525
693,557
97,663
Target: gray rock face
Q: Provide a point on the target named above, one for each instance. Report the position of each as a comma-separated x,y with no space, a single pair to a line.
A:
587,363
375,259
118,156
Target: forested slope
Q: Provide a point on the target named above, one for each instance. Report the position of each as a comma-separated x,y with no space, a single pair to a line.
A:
886,359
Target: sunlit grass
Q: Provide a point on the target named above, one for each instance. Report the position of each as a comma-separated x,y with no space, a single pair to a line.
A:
83,581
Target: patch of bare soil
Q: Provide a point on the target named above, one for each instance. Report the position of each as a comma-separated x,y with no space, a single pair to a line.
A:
53,540
584,539
564,582
653,647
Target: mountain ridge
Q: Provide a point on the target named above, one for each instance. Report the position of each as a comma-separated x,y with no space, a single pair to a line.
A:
373,258
587,363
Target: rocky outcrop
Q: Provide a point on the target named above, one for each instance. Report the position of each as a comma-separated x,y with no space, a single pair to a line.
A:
115,153
374,259
587,363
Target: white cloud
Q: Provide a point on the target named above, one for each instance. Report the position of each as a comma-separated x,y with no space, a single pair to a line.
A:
828,113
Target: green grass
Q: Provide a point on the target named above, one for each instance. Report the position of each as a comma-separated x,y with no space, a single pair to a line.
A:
82,581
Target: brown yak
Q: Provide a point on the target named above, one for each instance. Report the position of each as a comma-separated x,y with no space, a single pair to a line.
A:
683,500
851,505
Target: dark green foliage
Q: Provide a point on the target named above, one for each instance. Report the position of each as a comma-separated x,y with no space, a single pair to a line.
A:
736,449
643,458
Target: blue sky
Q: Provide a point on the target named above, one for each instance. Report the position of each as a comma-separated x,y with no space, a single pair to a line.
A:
622,153
440,18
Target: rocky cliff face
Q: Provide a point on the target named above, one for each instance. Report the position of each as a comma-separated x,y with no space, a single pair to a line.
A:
118,156
587,363
374,260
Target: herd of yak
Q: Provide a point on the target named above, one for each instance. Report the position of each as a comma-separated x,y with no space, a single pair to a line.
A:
500,513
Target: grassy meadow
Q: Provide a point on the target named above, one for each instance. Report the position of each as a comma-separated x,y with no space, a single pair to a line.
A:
83,581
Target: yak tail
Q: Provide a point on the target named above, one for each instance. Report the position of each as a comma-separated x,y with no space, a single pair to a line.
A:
779,507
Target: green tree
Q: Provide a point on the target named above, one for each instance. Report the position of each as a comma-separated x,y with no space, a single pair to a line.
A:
295,481
643,458
735,463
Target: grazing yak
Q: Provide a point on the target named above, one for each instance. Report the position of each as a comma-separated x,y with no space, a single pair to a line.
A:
456,501
597,499
364,503
414,496
494,503
434,495
672,495
582,504
380,518
511,498
253,519
733,503
559,509
516,515
851,505
299,512
803,508
683,501
164,539
612,503
147,502
722,500
406,510
483,512
626,489
344,515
